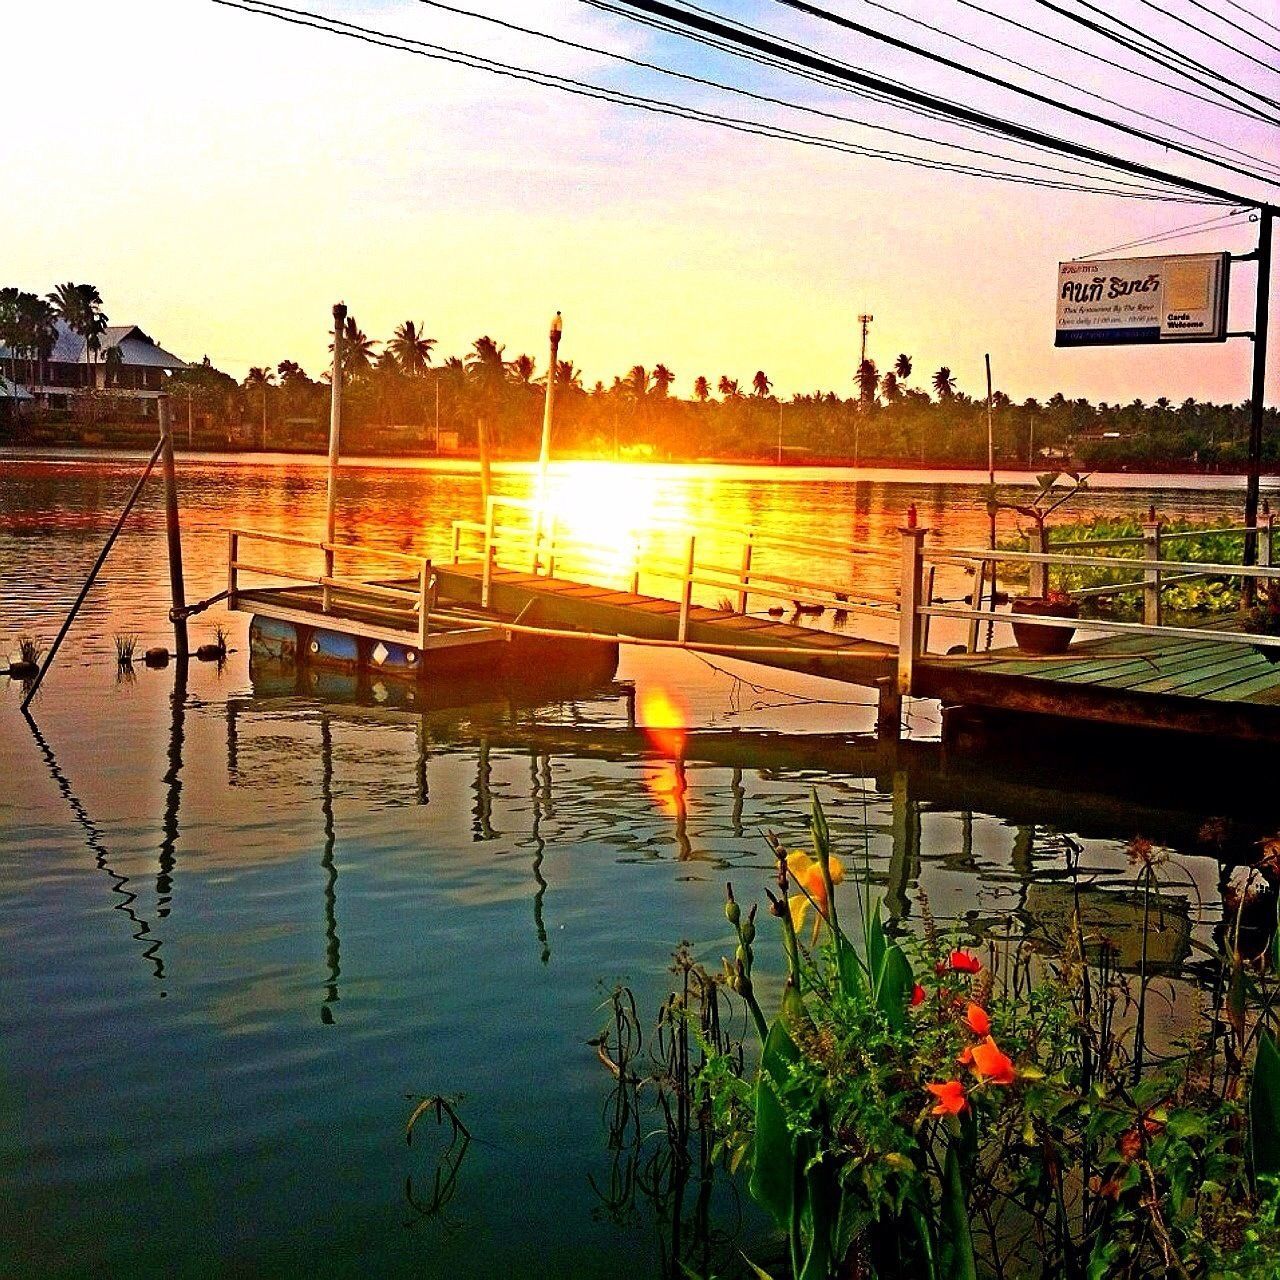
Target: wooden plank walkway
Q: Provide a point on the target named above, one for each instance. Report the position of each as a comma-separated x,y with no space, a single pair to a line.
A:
557,603
1145,681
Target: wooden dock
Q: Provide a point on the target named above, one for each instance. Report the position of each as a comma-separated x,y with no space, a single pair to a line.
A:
1208,680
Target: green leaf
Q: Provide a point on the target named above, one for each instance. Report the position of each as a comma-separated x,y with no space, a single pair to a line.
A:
821,832
955,1218
773,1156
893,986
824,1213
1264,1107
759,1272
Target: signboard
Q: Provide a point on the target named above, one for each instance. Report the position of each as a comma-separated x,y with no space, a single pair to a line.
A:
1176,298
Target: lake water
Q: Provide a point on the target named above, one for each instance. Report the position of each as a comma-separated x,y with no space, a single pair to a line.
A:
244,930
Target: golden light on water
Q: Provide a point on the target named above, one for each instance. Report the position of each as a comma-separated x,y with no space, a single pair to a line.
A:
664,719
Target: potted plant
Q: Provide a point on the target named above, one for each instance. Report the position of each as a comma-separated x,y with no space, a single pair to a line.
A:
1040,601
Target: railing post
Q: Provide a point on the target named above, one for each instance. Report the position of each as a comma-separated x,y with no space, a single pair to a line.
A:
686,593
1038,540
927,596
1266,547
424,605
551,548
912,573
457,541
745,577
979,585
486,578
1152,611
635,568
233,554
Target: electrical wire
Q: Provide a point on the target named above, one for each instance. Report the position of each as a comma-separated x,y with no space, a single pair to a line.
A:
1075,88
1191,26
695,26
758,97
1174,233
837,19
1249,13
404,44
1246,112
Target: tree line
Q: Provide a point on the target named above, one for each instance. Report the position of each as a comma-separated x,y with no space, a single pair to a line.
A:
399,397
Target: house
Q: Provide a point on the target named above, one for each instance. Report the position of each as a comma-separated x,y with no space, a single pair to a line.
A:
129,368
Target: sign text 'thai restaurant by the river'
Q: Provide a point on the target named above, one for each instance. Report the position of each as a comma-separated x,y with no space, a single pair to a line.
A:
1175,298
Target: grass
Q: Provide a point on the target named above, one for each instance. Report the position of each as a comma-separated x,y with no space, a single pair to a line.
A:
126,646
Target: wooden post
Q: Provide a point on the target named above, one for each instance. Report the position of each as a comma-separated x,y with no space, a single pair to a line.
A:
486,580
1266,545
549,408
912,572
482,440
979,584
926,596
424,606
233,554
888,709
335,447
745,576
1258,386
1152,610
686,593
457,542
551,545
173,530
1038,540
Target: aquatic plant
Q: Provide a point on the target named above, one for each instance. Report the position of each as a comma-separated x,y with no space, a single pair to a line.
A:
220,638
30,651
126,645
925,1109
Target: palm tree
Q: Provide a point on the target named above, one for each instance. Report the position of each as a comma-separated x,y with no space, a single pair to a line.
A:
79,306
637,382
890,387
728,387
944,384
411,349
522,370
662,379
902,367
357,349
568,378
262,378
760,385
701,389
868,381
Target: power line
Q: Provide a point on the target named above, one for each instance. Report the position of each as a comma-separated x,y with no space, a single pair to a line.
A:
1257,17
1226,44
696,23
1180,61
1173,233
836,19
748,93
404,44
1068,84
1219,102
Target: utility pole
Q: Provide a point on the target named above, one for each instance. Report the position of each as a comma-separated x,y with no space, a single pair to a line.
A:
779,433
1263,256
335,442
549,407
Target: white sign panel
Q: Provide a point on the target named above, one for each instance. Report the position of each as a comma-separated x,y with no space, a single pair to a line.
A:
1176,298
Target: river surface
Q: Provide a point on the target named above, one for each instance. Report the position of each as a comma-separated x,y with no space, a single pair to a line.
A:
245,929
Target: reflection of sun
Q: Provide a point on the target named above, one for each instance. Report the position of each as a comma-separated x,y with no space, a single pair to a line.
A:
663,719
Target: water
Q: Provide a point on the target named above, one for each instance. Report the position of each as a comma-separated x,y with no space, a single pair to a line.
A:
242,931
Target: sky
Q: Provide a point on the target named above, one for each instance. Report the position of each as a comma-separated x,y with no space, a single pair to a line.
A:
224,178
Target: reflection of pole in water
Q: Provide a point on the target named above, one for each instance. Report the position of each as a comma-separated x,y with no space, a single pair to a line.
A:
482,811
233,744
332,945
679,790
739,797
420,793
904,865
173,785
540,776
93,838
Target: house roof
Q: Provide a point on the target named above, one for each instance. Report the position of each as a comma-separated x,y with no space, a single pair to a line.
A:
136,348
12,391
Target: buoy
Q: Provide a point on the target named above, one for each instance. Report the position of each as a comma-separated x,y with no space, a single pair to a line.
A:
157,657
210,653
19,670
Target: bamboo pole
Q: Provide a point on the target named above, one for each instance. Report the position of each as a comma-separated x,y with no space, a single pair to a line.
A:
173,532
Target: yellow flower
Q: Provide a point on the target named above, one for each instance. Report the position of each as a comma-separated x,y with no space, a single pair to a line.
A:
807,873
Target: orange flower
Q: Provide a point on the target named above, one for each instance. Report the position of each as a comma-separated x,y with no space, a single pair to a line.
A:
990,1065
951,1098
963,962
977,1021
965,1056
917,995
807,873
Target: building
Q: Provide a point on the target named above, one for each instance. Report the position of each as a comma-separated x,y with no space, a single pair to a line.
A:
129,372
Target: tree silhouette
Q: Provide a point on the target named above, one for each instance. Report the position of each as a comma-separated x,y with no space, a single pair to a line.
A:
868,381
261,378
890,387
760,385
701,389
902,367
944,384
662,380
80,308
411,349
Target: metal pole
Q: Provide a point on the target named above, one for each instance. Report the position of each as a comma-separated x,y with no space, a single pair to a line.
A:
549,406
335,442
93,574
1258,391
991,440
173,531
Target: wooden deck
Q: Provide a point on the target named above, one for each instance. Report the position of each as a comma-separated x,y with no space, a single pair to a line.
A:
1199,686
557,603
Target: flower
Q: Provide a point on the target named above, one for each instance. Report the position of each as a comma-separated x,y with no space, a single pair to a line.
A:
977,1021
991,1065
961,962
1145,853
807,873
951,1098
917,995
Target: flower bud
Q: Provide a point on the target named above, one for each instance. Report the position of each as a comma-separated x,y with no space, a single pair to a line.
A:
732,912
749,931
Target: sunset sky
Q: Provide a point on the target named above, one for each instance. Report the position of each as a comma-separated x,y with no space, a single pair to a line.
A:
224,178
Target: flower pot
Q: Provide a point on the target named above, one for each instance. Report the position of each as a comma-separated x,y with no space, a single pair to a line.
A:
1043,640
